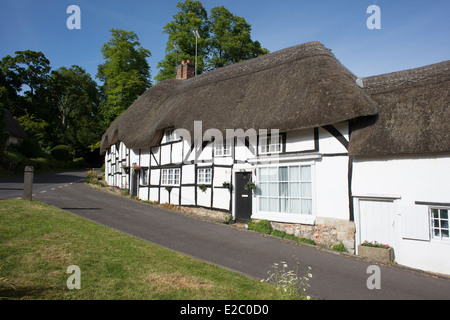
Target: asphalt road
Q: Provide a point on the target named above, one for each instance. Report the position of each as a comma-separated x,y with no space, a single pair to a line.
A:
335,276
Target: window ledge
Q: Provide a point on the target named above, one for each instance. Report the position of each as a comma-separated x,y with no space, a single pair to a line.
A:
279,158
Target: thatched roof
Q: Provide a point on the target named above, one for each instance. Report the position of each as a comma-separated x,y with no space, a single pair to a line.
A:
295,88
12,127
413,113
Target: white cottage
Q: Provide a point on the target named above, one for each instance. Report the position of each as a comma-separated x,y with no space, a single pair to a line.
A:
282,124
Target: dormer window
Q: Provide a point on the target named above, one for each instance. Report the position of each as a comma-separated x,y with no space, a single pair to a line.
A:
170,135
270,144
222,148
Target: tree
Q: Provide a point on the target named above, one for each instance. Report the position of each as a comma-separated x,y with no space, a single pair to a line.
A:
191,15
224,39
25,76
230,40
125,73
70,89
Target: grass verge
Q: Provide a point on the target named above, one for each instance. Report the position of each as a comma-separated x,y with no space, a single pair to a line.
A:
39,242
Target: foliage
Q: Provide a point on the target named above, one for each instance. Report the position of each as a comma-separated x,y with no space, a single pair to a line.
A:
230,40
340,247
191,15
125,73
250,186
226,184
224,39
278,233
70,89
61,152
288,282
375,245
53,107
202,187
263,226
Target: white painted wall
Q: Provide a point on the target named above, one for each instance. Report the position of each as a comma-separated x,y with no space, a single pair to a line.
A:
300,140
331,187
408,179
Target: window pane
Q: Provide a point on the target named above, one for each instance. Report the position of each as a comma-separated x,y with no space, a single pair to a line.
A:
294,174
306,190
263,174
272,174
445,234
436,233
444,214
305,173
177,176
436,213
263,186
284,189
295,206
273,206
283,205
263,204
436,223
306,206
444,224
273,189
294,189
283,174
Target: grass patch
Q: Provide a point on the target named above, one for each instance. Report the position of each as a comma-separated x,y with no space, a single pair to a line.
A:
39,242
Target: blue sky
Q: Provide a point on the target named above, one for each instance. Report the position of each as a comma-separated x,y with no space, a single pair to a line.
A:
413,33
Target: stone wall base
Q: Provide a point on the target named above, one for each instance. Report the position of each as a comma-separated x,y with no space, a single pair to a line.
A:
325,232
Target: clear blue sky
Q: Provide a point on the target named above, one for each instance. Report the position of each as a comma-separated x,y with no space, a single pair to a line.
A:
413,33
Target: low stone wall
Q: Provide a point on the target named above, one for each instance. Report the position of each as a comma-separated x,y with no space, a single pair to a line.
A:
207,213
325,232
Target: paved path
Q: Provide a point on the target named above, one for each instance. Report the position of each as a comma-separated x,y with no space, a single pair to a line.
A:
335,276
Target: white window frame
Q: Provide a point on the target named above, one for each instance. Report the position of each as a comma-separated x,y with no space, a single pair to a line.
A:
436,223
267,145
204,175
308,219
170,135
222,148
170,177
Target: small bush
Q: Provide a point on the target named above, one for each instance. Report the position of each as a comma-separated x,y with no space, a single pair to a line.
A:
278,233
339,247
61,153
291,237
306,240
263,226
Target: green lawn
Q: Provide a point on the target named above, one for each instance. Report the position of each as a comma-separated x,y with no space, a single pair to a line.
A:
38,242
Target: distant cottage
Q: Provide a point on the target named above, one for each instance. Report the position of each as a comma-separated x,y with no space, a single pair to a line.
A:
15,133
333,157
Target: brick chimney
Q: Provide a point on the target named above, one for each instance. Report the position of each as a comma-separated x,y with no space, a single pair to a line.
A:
185,70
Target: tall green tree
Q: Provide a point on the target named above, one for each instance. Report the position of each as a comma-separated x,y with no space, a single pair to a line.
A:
191,16
230,40
71,89
125,73
225,39
26,76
